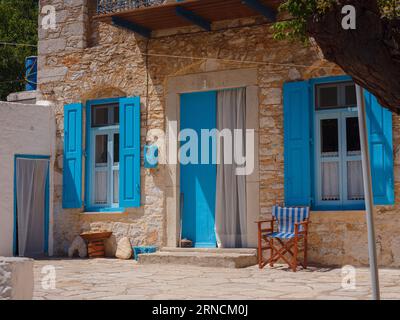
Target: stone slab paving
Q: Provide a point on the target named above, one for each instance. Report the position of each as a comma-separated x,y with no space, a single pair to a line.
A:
117,279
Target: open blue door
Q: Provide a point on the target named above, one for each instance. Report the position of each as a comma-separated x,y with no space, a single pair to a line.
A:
198,181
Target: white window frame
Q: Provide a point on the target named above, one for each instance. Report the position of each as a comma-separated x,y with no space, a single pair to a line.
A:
110,131
341,114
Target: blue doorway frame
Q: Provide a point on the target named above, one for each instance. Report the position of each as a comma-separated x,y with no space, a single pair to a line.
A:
46,207
198,181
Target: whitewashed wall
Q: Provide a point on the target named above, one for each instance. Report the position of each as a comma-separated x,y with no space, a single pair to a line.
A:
24,129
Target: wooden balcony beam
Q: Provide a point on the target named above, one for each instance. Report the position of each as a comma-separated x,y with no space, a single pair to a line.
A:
201,13
261,8
193,18
120,22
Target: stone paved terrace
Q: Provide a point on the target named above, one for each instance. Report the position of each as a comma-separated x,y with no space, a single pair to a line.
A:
117,279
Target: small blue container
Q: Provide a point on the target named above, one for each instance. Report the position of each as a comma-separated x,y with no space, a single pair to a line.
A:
143,250
151,157
31,73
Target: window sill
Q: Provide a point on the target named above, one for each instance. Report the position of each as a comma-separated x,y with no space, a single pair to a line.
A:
99,211
333,212
349,207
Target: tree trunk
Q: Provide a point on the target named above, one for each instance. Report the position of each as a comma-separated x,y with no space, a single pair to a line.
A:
370,53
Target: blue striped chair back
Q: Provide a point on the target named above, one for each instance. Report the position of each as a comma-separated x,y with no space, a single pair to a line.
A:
288,217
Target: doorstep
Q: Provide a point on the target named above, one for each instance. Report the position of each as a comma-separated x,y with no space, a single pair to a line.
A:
217,258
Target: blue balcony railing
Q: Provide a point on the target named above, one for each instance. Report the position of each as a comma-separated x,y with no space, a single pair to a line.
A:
112,6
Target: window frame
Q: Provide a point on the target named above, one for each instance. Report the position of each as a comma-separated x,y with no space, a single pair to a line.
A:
89,154
110,115
108,131
314,83
344,203
341,90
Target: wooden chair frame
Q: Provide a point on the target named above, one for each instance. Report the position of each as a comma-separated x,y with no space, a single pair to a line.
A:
289,247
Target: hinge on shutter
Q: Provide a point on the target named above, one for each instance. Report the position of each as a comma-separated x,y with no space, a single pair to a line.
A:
84,153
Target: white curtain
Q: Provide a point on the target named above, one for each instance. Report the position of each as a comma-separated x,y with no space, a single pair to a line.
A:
355,187
116,186
330,181
101,187
31,175
230,212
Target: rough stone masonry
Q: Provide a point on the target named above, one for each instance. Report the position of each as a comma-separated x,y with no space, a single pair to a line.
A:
16,278
85,59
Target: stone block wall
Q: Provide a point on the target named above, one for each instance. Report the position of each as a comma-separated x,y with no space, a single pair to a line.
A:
69,34
118,62
340,238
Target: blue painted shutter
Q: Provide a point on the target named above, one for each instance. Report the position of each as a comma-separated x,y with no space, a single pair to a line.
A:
379,123
72,163
130,152
296,112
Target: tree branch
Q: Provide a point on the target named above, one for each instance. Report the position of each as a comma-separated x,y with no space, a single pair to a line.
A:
370,54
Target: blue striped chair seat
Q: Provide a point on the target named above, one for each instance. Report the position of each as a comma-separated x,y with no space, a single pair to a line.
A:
282,235
287,219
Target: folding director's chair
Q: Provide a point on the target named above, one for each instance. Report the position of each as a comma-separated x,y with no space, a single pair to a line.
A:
292,223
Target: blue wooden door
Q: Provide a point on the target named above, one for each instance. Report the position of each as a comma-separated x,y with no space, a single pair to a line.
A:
198,181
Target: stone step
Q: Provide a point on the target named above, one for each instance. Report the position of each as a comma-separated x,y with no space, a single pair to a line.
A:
211,250
202,258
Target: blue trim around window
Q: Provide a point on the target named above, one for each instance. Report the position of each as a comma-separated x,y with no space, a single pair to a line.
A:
87,153
343,203
46,207
105,210
313,83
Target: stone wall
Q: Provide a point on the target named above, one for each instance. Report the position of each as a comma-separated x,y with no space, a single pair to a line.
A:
118,62
16,279
340,238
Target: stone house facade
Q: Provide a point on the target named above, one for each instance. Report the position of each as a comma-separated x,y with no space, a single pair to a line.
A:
84,59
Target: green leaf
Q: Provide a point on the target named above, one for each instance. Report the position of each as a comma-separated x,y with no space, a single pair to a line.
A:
301,10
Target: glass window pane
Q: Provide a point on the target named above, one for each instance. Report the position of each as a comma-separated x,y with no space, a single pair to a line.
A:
116,148
116,114
101,187
116,187
105,115
329,138
351,97
330,181
328,97
101,150
352,137
355,187
99,116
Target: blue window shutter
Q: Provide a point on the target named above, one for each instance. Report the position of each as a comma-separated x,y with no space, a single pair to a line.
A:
130,152
72,163
297,127
379,123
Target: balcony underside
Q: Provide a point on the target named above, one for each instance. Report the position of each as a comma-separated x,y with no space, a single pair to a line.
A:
191,12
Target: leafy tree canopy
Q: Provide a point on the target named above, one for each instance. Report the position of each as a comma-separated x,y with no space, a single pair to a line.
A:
18,24
302,11
370,53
